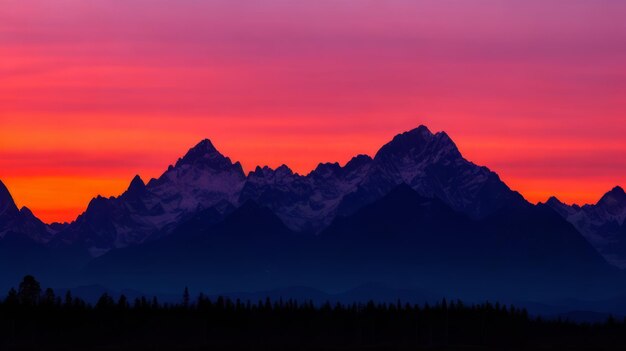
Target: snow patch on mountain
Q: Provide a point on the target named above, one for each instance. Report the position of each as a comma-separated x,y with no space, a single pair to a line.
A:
201,179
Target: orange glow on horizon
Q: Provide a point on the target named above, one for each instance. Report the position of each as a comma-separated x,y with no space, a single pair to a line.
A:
62,192
92,93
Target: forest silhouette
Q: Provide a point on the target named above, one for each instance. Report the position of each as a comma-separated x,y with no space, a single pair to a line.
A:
33,318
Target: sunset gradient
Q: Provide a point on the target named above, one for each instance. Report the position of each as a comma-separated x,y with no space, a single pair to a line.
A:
94,92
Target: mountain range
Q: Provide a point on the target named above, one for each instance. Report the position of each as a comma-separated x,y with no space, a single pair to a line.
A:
603,223
21,222
417,214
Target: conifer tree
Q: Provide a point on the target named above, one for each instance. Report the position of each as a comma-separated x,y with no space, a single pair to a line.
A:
29,291
186,297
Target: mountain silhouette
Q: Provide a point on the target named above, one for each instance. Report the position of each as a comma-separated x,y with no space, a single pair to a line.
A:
417,238
432,165
403,239
21,222
201,179
243,250
603,223
24,245
429,163
417,215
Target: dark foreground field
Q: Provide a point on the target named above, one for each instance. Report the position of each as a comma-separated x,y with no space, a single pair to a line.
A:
32,319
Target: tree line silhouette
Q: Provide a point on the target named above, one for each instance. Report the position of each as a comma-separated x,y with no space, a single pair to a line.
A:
35,319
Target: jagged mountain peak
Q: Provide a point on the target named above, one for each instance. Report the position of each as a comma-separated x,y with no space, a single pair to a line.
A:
359,160
433,166
204,154
137,181
406,141
26,211
21,222
614,200
237,165
137,186
417,142
600,223
284,170
267,175
428,163
266,171
260,171
97,203
554,201
6,200
327,168
560,207
444,141
421,130
204,146
615,194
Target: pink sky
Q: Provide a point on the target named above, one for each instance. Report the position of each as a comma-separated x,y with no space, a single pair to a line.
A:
93,92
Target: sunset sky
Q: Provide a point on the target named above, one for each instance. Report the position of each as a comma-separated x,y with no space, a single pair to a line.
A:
94,92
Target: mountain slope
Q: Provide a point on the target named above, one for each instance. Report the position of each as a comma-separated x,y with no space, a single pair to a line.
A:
521,250
416,214
603,223
248,249
433,166
203,178
21,222
305,203
430,163
402,240
25,249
